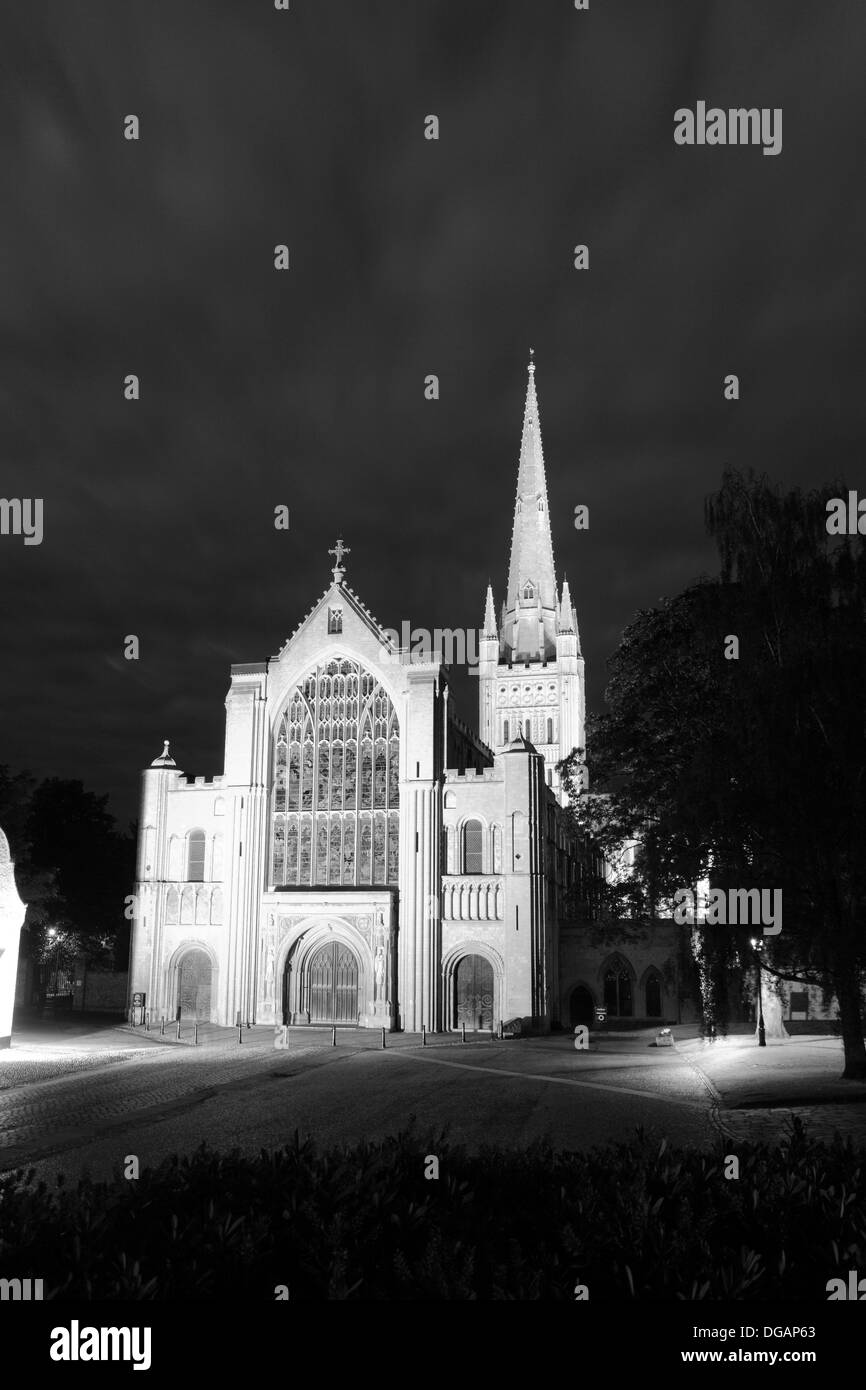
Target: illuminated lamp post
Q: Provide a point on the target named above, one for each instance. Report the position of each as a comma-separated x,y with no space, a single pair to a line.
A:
762,1036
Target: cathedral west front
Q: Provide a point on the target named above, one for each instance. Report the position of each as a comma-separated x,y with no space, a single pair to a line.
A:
366,858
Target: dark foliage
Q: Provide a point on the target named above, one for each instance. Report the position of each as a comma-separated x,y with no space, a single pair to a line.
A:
631,1221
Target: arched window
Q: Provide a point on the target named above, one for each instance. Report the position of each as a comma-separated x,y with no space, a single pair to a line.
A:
172,907
195,856
336,755
473,839
654,996
528,591
617,990
541,504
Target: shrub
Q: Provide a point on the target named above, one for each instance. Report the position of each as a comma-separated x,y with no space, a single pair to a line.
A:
636,1220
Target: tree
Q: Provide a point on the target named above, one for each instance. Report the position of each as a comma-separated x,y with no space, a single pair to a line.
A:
72,865
749,771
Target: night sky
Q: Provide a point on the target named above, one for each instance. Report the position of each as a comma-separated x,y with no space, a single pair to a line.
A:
408,257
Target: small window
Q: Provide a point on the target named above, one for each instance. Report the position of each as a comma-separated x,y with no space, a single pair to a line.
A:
505,731
541,504
335,620
550,731
472,842
195,856
528,730
528,591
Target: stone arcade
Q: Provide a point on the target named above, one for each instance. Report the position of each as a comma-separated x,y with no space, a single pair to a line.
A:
365,858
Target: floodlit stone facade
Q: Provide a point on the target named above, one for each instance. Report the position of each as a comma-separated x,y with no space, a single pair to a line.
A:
365,858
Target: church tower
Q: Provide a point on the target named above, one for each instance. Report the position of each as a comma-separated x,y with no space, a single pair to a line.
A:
531,670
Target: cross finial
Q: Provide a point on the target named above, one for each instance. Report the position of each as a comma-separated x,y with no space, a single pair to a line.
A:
338,551
531,361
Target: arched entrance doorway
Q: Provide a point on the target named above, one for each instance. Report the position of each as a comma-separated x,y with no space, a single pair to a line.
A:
473,993
580,1009
654,997
195,975
332,984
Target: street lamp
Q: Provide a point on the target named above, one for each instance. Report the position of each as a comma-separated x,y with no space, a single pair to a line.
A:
762,1036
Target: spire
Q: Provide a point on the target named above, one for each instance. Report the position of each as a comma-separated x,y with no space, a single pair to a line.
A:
566,610
531,575
489,614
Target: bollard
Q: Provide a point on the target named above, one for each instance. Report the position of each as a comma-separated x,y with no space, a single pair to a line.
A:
500,1028
177,1034
195,1033
147,1020
162,1029
334,1036
463,1032
492,1035
240,1033
383,1039
423,1034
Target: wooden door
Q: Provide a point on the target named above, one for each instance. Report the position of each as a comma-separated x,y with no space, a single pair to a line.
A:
473,987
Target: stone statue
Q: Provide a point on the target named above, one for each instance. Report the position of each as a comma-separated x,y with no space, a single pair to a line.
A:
269,972
380,971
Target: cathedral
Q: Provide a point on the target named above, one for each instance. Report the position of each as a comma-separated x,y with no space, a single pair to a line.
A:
366,858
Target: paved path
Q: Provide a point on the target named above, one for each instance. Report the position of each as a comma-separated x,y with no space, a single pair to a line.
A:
760,1089
153,1098
166,1099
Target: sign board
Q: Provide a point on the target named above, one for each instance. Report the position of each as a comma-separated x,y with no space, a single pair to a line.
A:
138,1001
601,1015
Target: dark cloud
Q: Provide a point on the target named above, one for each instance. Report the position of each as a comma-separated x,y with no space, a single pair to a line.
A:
408,257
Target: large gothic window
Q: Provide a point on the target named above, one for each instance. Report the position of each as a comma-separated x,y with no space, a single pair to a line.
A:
335,795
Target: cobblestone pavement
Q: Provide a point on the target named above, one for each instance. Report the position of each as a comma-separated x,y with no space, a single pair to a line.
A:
28,1065
168,1099
156,1097
769,1125
757,1091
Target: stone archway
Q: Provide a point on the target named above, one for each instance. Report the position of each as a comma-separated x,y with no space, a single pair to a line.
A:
474,993
331,985
194,986
580,1006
